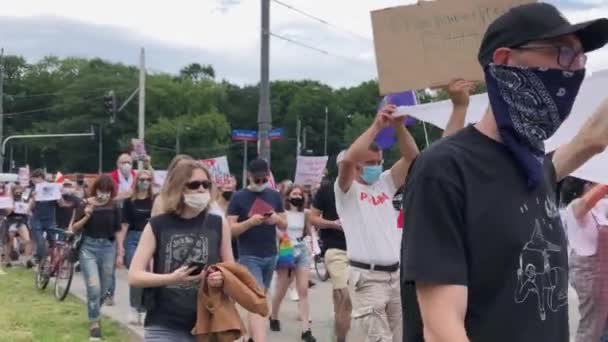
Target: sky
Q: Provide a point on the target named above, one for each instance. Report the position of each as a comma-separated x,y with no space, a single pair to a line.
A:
223,33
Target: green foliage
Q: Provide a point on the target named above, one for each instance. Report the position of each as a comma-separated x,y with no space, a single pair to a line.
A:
66,96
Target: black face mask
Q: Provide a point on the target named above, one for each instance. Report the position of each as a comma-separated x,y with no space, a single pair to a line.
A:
227,195
296,202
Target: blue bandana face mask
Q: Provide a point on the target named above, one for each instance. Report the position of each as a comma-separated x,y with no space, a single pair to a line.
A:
371,174
529,105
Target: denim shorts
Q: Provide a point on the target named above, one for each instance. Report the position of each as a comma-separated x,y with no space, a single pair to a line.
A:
301,255
261,268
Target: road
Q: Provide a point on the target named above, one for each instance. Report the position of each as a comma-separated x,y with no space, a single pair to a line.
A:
320,302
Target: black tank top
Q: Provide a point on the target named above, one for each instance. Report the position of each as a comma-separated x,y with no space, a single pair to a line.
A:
179,242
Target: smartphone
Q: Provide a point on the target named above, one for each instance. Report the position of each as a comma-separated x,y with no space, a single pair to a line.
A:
199,267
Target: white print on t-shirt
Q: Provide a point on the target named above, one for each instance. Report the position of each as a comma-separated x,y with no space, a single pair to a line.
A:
183,249
537,277
551,209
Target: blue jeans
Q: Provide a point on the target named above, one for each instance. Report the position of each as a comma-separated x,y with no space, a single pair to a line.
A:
130,244
40,225
261,268
157,333
97,262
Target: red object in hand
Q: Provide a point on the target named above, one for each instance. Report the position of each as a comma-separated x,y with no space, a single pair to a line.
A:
400,219
260,207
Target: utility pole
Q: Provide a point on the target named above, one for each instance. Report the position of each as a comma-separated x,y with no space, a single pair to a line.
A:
299,143
326,121
142,100
244,164
177,144
2,105
264,115
100,148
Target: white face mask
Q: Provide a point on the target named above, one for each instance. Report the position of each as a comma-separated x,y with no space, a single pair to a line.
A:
258,187
126,168
103,197
197,200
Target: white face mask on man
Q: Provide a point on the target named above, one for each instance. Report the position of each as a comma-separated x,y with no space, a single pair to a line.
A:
126,168
197,200
258,187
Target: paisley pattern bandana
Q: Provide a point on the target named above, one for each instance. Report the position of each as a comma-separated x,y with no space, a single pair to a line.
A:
529,105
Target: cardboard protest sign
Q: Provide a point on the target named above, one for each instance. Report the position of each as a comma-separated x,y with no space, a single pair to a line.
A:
47,191
219,169
138,150
310,170
24,176
432,42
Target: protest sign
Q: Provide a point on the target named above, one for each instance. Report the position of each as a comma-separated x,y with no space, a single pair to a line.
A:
309,170
159,177
432,42
138,151
24,176
46,191
6,202
219,169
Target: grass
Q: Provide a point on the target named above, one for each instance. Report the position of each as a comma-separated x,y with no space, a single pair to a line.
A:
30,315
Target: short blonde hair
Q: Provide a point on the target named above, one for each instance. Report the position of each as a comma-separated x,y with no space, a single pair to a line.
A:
172,193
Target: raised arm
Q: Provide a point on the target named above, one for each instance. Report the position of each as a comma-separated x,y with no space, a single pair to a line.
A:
583,205
459,91
409,152
590,140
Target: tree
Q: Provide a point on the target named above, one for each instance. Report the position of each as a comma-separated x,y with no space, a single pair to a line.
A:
197,72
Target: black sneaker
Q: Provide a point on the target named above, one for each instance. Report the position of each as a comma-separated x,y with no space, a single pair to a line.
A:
275,325
29,264
307,336
8,265
95,334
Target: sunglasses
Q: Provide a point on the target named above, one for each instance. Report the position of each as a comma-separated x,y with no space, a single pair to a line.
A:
145,180
260,181
195,185
567,57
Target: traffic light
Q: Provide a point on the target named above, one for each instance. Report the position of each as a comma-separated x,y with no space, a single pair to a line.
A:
109,103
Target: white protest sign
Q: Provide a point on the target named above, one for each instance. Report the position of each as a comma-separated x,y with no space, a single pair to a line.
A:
219,169
24,176
309,170
6,202
46,191
159,177
432,42
21,208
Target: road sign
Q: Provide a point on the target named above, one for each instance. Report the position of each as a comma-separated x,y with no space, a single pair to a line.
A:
244,135
276,134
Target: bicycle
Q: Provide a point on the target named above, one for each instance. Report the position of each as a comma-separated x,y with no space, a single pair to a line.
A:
56,264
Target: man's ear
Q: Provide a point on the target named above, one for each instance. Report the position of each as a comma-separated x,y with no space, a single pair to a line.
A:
501,56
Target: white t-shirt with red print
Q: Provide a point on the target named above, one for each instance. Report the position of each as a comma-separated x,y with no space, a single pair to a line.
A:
369,221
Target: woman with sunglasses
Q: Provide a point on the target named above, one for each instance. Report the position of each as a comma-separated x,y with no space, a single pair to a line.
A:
183,240
100,227
158,201
136,212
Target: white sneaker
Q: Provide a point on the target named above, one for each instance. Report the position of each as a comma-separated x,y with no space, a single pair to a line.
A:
293,295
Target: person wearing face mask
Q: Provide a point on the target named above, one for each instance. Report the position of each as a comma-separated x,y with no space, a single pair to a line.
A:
254,214
17,223
80,189
220,205
124,177
100,224
484,253
136,212
70,204
298,226
364,195
43,216
185,238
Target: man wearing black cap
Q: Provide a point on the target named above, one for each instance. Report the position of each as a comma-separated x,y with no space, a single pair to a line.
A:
254,214
484,256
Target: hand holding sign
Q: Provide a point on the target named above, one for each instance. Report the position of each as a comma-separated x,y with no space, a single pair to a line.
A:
459,91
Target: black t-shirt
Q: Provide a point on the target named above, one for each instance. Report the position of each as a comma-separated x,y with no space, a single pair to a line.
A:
103,223
260,241
136,213
63,215
325,202
472,221
179,242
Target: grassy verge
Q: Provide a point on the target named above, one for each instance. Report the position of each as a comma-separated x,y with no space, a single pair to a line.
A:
27,314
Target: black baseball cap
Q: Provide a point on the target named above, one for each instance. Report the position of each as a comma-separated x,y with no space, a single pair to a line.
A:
538,21
258,167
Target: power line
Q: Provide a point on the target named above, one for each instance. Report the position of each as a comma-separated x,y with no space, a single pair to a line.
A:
44,109
61,92
310,47
322,21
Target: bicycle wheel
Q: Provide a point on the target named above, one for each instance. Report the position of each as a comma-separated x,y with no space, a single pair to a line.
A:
42,274
320,268
63,279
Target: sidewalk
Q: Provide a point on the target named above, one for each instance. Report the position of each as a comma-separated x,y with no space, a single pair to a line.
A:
320,305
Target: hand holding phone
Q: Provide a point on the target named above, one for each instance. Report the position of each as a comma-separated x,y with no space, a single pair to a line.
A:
198,268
